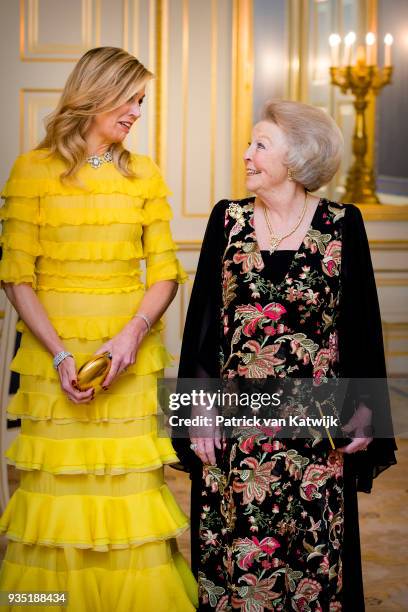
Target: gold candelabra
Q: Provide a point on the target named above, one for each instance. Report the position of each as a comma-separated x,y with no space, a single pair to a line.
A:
362,79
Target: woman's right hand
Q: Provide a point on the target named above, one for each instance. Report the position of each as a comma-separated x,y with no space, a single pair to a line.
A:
205,438
68,380
205,448
32,312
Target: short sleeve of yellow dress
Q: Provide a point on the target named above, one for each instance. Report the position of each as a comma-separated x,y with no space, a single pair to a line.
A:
93,515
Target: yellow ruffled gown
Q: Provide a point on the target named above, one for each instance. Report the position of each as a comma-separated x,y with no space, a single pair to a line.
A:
92,515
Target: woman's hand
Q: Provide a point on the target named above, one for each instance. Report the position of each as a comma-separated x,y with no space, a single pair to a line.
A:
123,348
358,426
205,447
34,315
204,439
126,343
68,379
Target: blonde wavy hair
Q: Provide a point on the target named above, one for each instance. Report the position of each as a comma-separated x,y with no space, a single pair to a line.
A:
103,79
315,142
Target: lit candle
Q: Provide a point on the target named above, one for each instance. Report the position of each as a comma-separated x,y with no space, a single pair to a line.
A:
370,42
349,41
388,40
334,42
361,56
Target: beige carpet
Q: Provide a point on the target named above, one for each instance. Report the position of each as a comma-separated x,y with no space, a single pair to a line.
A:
384,530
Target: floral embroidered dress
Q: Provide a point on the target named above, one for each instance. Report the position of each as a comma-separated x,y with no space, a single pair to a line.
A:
276,542
270,515
92,516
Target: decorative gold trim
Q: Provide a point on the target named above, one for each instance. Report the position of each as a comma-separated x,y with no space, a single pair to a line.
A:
241,90
396,325
316,70
125,9
392,282
292,27
32,44
372,26
22,93
161,82
303,51
214,49
153,137
184,93
98,13
383,212
189,245
391,270
388,245
130,10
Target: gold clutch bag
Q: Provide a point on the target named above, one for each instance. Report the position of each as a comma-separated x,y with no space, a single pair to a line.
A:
92,372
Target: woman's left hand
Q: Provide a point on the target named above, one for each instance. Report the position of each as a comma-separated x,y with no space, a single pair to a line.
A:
123,348
358,427
358,444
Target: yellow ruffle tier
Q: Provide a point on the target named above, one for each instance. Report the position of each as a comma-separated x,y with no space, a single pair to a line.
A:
87,455
93,515
105,578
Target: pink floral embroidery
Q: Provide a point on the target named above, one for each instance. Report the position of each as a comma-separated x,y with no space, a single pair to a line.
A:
260,362
250,259
307,591
332,258
256,595
251,549
252,316
255,481
321,365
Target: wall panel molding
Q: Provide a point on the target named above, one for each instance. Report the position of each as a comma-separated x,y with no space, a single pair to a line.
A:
33,103
242,90
33,49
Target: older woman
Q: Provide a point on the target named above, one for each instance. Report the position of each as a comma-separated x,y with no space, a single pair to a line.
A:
92,516
284,289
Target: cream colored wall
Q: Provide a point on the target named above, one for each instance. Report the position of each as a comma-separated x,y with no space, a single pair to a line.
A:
198,112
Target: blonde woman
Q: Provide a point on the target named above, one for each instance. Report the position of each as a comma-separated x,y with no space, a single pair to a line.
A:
92,516
285,289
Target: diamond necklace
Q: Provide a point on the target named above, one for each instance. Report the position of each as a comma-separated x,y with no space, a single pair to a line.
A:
275,239
96,161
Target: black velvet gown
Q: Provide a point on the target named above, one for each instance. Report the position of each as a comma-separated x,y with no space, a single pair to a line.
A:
275,544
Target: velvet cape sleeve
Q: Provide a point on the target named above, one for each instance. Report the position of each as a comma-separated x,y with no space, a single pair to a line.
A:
361,348
199,357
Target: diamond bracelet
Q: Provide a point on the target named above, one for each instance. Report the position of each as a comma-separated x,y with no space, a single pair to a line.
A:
59,358
145,319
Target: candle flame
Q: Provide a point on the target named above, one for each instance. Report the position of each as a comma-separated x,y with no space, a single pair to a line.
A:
334,40
388,39
350,39
370,38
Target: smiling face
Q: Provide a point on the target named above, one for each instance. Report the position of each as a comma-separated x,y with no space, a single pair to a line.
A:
265,158
113,126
